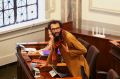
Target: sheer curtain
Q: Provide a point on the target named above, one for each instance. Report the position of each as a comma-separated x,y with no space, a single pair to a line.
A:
71,11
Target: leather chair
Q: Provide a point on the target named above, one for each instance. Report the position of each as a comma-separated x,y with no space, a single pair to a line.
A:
111,74
91,57
85,43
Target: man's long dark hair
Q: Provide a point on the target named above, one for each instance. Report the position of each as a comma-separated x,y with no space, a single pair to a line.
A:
57,38
54,22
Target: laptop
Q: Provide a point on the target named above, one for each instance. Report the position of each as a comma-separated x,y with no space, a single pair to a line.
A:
60,71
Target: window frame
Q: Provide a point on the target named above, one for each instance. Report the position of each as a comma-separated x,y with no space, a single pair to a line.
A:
14,8
27,24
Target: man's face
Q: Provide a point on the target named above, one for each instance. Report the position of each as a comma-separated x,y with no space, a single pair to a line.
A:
55,29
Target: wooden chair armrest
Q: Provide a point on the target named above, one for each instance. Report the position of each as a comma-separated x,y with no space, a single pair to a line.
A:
101,74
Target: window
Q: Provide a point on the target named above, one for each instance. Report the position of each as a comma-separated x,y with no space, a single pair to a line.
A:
19,11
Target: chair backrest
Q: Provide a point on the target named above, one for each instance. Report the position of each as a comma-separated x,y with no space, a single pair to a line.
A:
112,74
85,43
91,58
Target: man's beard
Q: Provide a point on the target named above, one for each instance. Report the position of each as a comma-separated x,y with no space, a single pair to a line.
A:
58,37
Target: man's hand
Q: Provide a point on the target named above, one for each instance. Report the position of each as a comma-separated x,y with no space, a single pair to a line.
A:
43,65
65,47
36,53
41,52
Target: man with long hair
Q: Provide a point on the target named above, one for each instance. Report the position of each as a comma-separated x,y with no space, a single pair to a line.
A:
70,48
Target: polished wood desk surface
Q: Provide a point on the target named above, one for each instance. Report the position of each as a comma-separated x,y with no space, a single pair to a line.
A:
69,26
43,75
115,49
116,43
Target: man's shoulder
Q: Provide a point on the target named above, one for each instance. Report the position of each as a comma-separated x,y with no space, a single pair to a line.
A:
68,34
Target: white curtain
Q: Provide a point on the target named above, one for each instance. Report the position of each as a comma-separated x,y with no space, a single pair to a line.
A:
71,11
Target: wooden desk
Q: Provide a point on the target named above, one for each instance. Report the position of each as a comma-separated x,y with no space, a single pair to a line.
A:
116,43
115,51
24,69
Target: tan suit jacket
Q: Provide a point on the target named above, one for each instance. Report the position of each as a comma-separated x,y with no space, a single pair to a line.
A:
74,58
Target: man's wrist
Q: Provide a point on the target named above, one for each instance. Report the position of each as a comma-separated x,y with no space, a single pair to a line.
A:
41,52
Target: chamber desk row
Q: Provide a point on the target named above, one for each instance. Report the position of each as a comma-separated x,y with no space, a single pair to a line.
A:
24,60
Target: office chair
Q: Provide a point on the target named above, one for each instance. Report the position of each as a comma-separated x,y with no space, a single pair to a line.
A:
85,43
111,74
91,58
